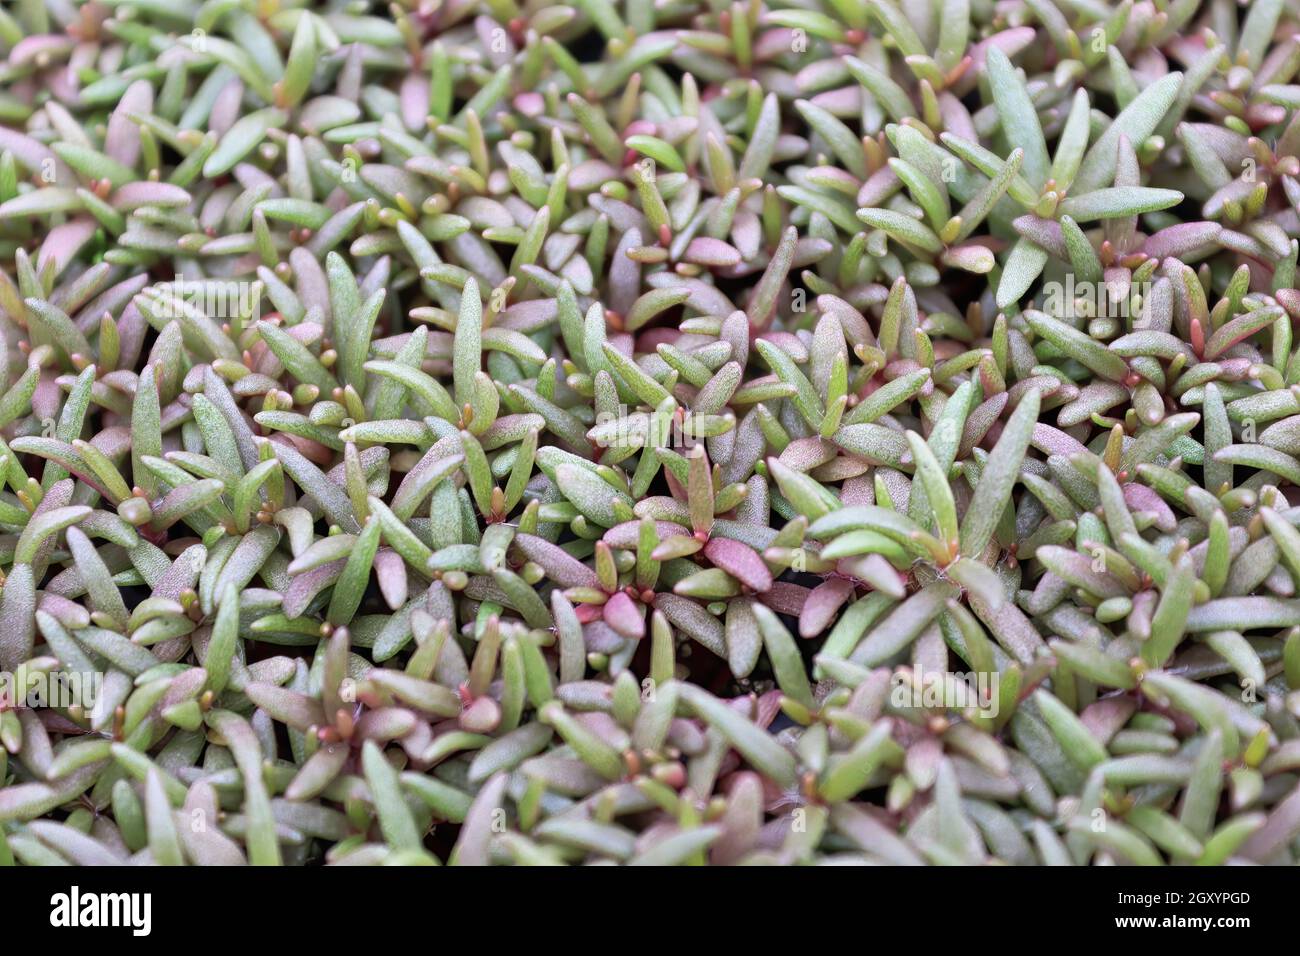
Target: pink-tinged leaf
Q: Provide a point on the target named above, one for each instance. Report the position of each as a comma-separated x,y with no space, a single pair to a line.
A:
844,100
785,598
711,252
599,637
740,561
761,710
1281,827
824,602
1181,240
742,821
64,241
1143,498
747,234
876,571
49,46
134,196
1106,717
879,186
1053,441
625,616
788,343
413,97
972,257
1045,233
481,717
769,705
32,154
560,566
47,398
386,723
390,572
287,706
857,491
1289,300
528,316
627,535
1238,330
530,104
1010,42
805,454
922,761
304,587
956,118
675,487
588,613
122,138
700,495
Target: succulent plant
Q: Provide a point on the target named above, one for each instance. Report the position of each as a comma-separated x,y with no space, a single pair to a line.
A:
785,431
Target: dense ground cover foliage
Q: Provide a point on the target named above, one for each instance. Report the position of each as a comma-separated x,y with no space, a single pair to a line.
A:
854,431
